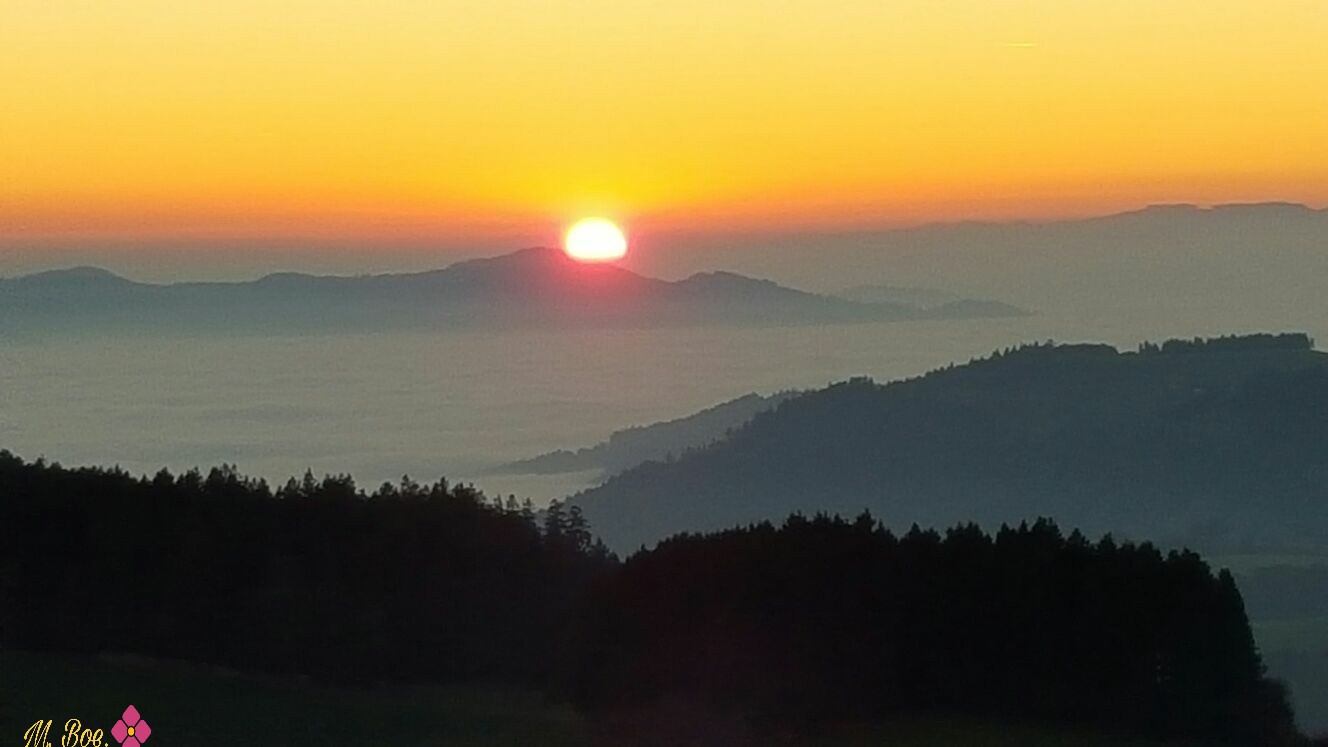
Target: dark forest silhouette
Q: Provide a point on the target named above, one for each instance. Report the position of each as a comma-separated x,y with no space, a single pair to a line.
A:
824,619
409,582
792,627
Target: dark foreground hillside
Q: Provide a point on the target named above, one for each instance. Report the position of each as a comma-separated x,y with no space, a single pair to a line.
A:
1219,444
803,630
410,583
823,621
203,706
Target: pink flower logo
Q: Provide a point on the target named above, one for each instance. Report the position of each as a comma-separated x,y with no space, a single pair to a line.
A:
131,730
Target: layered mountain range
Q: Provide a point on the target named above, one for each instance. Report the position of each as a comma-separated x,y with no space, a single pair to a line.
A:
529,288
1219,444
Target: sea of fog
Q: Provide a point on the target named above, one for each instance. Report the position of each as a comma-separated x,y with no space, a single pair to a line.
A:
447,404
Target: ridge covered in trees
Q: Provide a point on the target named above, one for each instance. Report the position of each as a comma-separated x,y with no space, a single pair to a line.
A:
1213,443
802,626
631,446
824,619
409,582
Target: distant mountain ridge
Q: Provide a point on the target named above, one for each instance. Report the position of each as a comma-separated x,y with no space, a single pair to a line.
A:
920,297
1173,268
658,441
529,288
1216,444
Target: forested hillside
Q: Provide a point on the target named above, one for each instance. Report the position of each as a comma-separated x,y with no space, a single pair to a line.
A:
821,620
1218,444
804,628
658,441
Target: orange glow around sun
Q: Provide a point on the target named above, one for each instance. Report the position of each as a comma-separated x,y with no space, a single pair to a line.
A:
252,121
595,240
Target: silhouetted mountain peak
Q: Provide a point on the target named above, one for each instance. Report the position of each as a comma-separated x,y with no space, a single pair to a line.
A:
1267,208
290,279
536,287
540,256
722,280
82,275
543,271
1229,208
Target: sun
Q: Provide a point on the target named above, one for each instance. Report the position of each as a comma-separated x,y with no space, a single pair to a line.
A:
595,240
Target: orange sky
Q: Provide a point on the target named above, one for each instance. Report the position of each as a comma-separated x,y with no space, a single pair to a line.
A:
406,121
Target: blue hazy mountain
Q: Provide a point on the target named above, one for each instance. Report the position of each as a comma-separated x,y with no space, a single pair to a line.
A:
529,288
1178,269
1219,444
629,447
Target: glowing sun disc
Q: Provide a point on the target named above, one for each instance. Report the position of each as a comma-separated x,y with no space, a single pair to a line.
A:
595,240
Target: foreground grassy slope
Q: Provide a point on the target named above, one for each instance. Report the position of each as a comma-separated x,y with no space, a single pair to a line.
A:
200,707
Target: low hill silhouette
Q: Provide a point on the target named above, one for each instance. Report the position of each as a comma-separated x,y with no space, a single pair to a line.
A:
629,447
1218,444
530,288
1174,266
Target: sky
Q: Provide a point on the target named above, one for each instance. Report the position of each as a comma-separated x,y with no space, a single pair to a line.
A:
336,126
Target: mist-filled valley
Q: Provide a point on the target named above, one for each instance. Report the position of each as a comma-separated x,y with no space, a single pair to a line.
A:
388,389
431,404
604,373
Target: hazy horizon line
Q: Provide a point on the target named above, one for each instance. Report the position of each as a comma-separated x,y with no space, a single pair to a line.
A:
455,251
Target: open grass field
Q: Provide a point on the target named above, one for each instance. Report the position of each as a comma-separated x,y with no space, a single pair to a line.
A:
200,707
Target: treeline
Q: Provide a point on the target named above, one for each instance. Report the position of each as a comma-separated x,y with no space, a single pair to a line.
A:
825,619
805,625
1264,341
409,582
1257,342
1219,449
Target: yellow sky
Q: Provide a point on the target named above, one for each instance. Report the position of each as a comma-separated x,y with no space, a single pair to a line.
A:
261,118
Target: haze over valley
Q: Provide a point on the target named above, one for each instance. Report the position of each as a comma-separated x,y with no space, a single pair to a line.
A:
603,373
